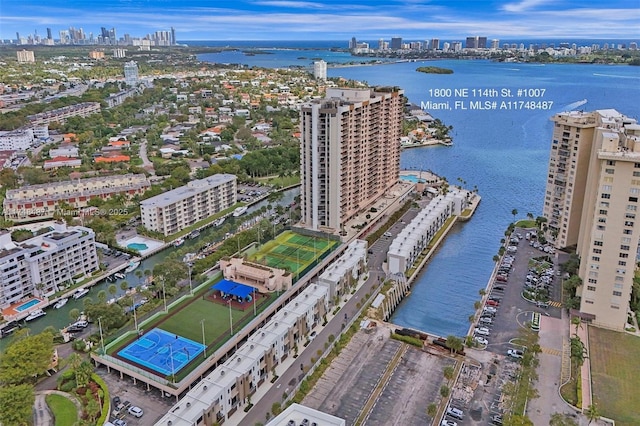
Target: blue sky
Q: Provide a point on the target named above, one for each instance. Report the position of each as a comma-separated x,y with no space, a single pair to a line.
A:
328,20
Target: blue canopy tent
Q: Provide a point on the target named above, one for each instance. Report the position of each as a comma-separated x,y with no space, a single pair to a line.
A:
241,291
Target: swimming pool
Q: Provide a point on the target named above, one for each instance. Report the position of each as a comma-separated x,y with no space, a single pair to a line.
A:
27,305
411,178
137,246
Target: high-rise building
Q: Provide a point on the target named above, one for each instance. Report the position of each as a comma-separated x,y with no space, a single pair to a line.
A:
320,70
396,43
119,53
591,203
49,36
353,43
435,44
481,43
470,43
173,36
131,73
25,56
495,43
350,153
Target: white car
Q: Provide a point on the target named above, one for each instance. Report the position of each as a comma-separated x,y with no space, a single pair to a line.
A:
388,234
486,320
490,309
481,340
136,411
514,353
482,331
447,422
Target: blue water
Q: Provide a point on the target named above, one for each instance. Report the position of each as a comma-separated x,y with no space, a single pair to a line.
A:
410,178
284,58
27,305
137,246
502,152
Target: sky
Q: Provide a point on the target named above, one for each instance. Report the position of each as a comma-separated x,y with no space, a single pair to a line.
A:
329,20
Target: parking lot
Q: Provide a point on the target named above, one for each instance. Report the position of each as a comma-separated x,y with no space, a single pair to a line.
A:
153,405
502,315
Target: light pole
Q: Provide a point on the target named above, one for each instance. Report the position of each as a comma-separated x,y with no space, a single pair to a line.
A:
190,265
101,338
164,294
203,341
173,370
135,317
254,301
230,317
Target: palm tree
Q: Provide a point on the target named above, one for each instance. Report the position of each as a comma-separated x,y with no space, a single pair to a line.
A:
592,413
448,372
74,314
102,296
112,289
576,321
530,216
124,285
514,212
454,343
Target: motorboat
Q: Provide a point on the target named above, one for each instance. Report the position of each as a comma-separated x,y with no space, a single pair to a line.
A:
80,293
119,275
178,242
194,234
132,266
219,222
60,303
240,211
35,314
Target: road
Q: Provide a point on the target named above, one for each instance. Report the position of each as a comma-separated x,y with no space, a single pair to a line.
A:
148,165
288,379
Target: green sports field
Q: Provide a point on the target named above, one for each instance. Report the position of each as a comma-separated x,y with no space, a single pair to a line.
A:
186,322
292,252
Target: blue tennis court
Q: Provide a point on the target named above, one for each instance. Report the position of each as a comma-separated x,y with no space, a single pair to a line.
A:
161,351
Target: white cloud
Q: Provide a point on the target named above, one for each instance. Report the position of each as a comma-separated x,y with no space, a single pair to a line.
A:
524,5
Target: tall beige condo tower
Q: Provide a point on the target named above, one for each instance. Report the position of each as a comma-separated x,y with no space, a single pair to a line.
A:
350,153
591,202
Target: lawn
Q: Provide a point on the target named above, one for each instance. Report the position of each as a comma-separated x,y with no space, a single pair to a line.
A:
186,322
615,375
281,182
64,411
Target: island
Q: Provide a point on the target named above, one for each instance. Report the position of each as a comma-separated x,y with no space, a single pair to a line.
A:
434,70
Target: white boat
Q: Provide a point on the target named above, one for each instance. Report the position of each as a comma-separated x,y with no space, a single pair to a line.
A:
35,314
132,266
240,211
178,242
189,257
194,234
119,275
80,293
60,303
219,222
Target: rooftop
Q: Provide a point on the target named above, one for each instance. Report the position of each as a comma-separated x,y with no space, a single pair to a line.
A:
192,188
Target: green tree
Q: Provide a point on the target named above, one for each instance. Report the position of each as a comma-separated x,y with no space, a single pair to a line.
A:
102,296
448,372
112,289
26,359
517,420
592,413
83,374
445,391
74,314
432,410
514,212
454,343
112,315
559,419
16,404
124,285
92,407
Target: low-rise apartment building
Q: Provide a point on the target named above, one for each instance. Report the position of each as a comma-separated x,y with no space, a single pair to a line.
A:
43,265
177,209
346,270
415,237
41,201
60,115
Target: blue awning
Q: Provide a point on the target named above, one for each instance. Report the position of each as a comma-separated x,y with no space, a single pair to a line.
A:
233,288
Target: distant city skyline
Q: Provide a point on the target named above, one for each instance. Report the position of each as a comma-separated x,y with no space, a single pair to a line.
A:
328,20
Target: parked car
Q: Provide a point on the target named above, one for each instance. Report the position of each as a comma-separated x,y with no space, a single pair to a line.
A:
136,411
515,353
490,309
482,331
455,413
447,422
542,304
501,278
388,234
498,288
492,303
119,422
481,340
486,320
